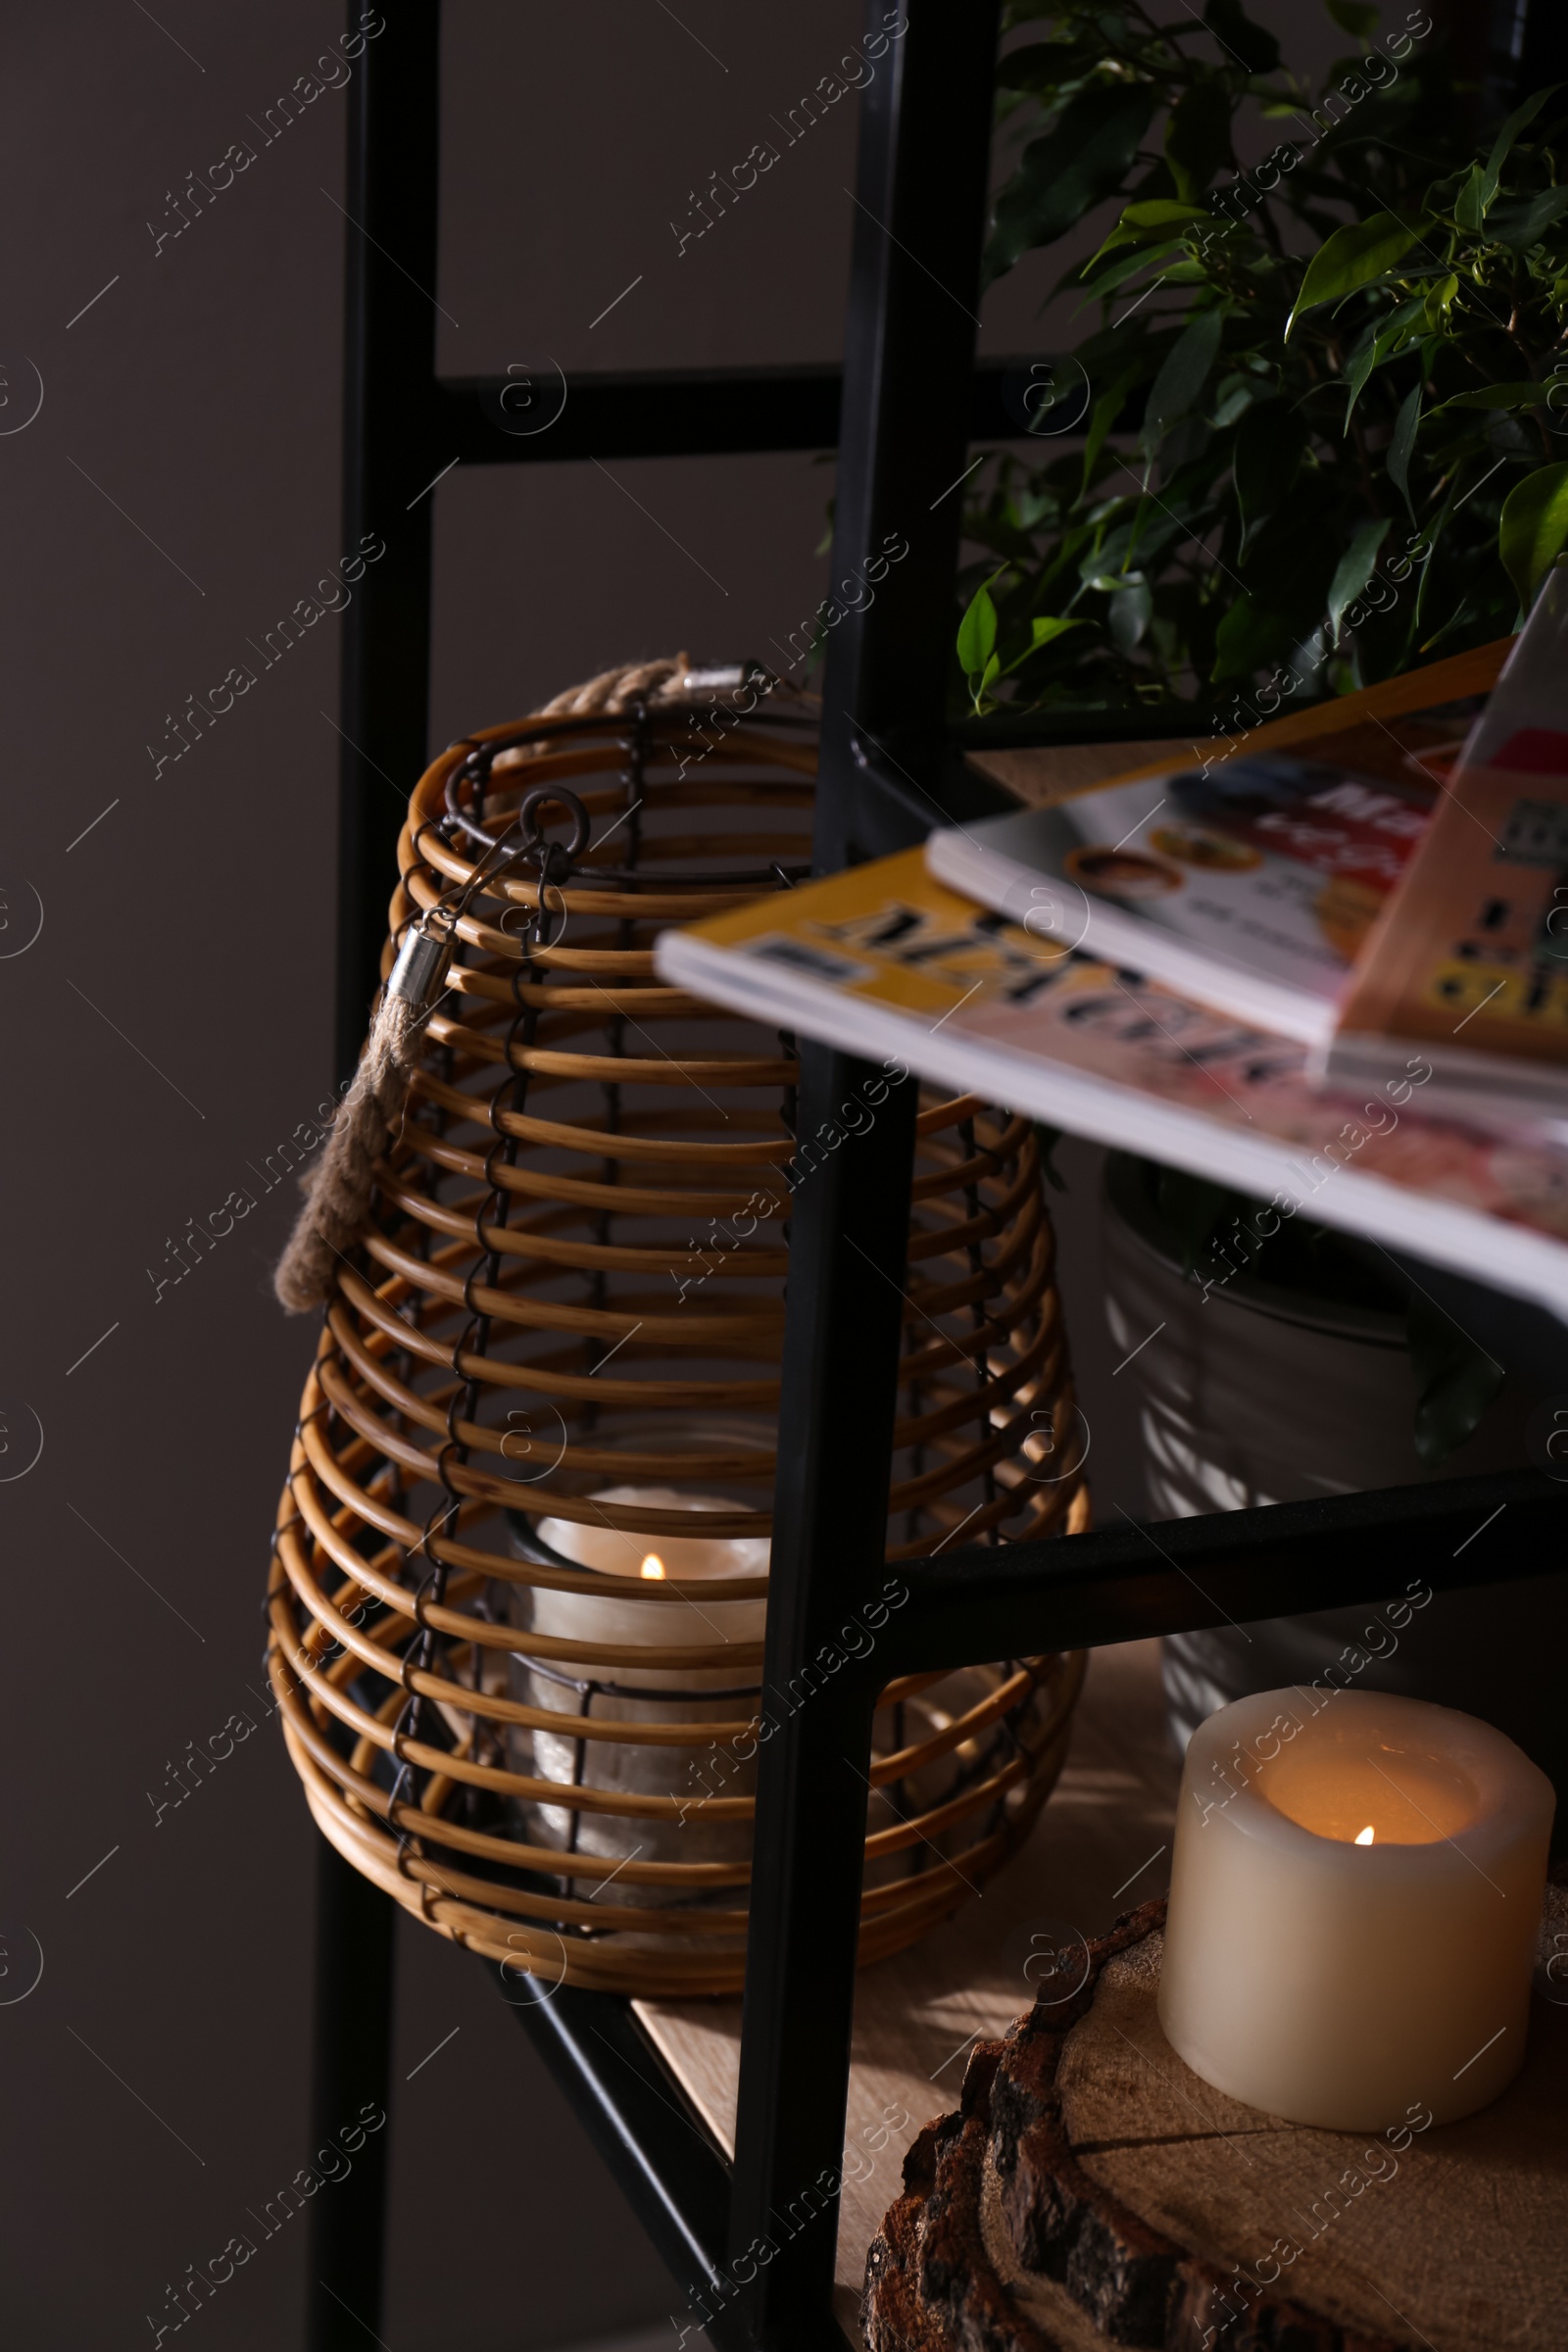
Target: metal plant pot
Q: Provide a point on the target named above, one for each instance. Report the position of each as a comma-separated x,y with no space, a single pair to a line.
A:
1259,1394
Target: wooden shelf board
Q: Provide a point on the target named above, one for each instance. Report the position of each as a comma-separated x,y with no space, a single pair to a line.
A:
1100,1846
1044,774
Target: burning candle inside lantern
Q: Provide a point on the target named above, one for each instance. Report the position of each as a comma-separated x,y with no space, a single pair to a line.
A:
693,1774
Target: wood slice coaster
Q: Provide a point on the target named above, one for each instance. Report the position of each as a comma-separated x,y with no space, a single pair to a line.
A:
1091,2189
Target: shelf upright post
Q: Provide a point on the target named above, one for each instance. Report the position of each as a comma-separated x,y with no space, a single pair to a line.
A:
390,192
909,395
390,452
908,367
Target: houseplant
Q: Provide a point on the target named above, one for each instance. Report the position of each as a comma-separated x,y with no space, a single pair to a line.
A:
1316,437
1320,426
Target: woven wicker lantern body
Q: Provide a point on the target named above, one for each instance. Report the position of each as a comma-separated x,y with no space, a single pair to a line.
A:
569,1291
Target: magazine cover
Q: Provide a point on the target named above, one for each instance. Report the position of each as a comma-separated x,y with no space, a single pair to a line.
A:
1250,884
886,962
1250,879
1469,960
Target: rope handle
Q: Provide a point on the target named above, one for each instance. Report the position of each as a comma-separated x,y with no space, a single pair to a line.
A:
338,1189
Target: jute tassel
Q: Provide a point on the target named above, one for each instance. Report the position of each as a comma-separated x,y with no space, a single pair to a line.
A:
338,1191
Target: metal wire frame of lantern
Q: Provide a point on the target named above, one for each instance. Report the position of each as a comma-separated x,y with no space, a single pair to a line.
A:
550,1359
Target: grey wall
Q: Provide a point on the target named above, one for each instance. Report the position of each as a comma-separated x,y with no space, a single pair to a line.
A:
170,1024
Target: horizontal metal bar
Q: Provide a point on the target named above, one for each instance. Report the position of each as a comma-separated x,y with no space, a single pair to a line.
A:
546,419
1226,1567
1006,730
1068,1592
662,2156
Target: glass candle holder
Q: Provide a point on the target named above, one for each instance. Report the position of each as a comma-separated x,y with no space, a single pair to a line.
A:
701,1777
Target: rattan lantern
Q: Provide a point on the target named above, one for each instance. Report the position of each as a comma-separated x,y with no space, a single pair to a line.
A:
558,1329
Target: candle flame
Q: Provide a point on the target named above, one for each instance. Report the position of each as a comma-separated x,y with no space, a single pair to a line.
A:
653,1567
1365,1838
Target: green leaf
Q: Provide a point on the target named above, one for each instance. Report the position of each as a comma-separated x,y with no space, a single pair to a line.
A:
1533,528
1198,136
1270,442
1520,120
1043,630
1354,17
1249,636
1400,449
1183,374
1455,1380
1104,415
1139,223
977,631
1439,302
1471,203
1258,51
1354,568
988,678
1146,256
1501,396
1522,225
1159,211
1352,258
1233,395
1130,611
1085,156
1386,343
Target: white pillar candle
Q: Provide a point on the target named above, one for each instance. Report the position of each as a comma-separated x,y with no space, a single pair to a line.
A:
644,1694
1356,1894
652,1560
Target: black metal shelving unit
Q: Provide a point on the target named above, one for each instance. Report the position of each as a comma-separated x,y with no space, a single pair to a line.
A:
902,411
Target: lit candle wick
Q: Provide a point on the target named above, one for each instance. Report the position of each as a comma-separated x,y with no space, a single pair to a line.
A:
654,1566
1365,1837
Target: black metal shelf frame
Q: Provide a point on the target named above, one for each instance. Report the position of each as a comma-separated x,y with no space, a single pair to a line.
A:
902,411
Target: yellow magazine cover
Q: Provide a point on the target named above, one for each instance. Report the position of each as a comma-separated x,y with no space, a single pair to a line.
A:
885,962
